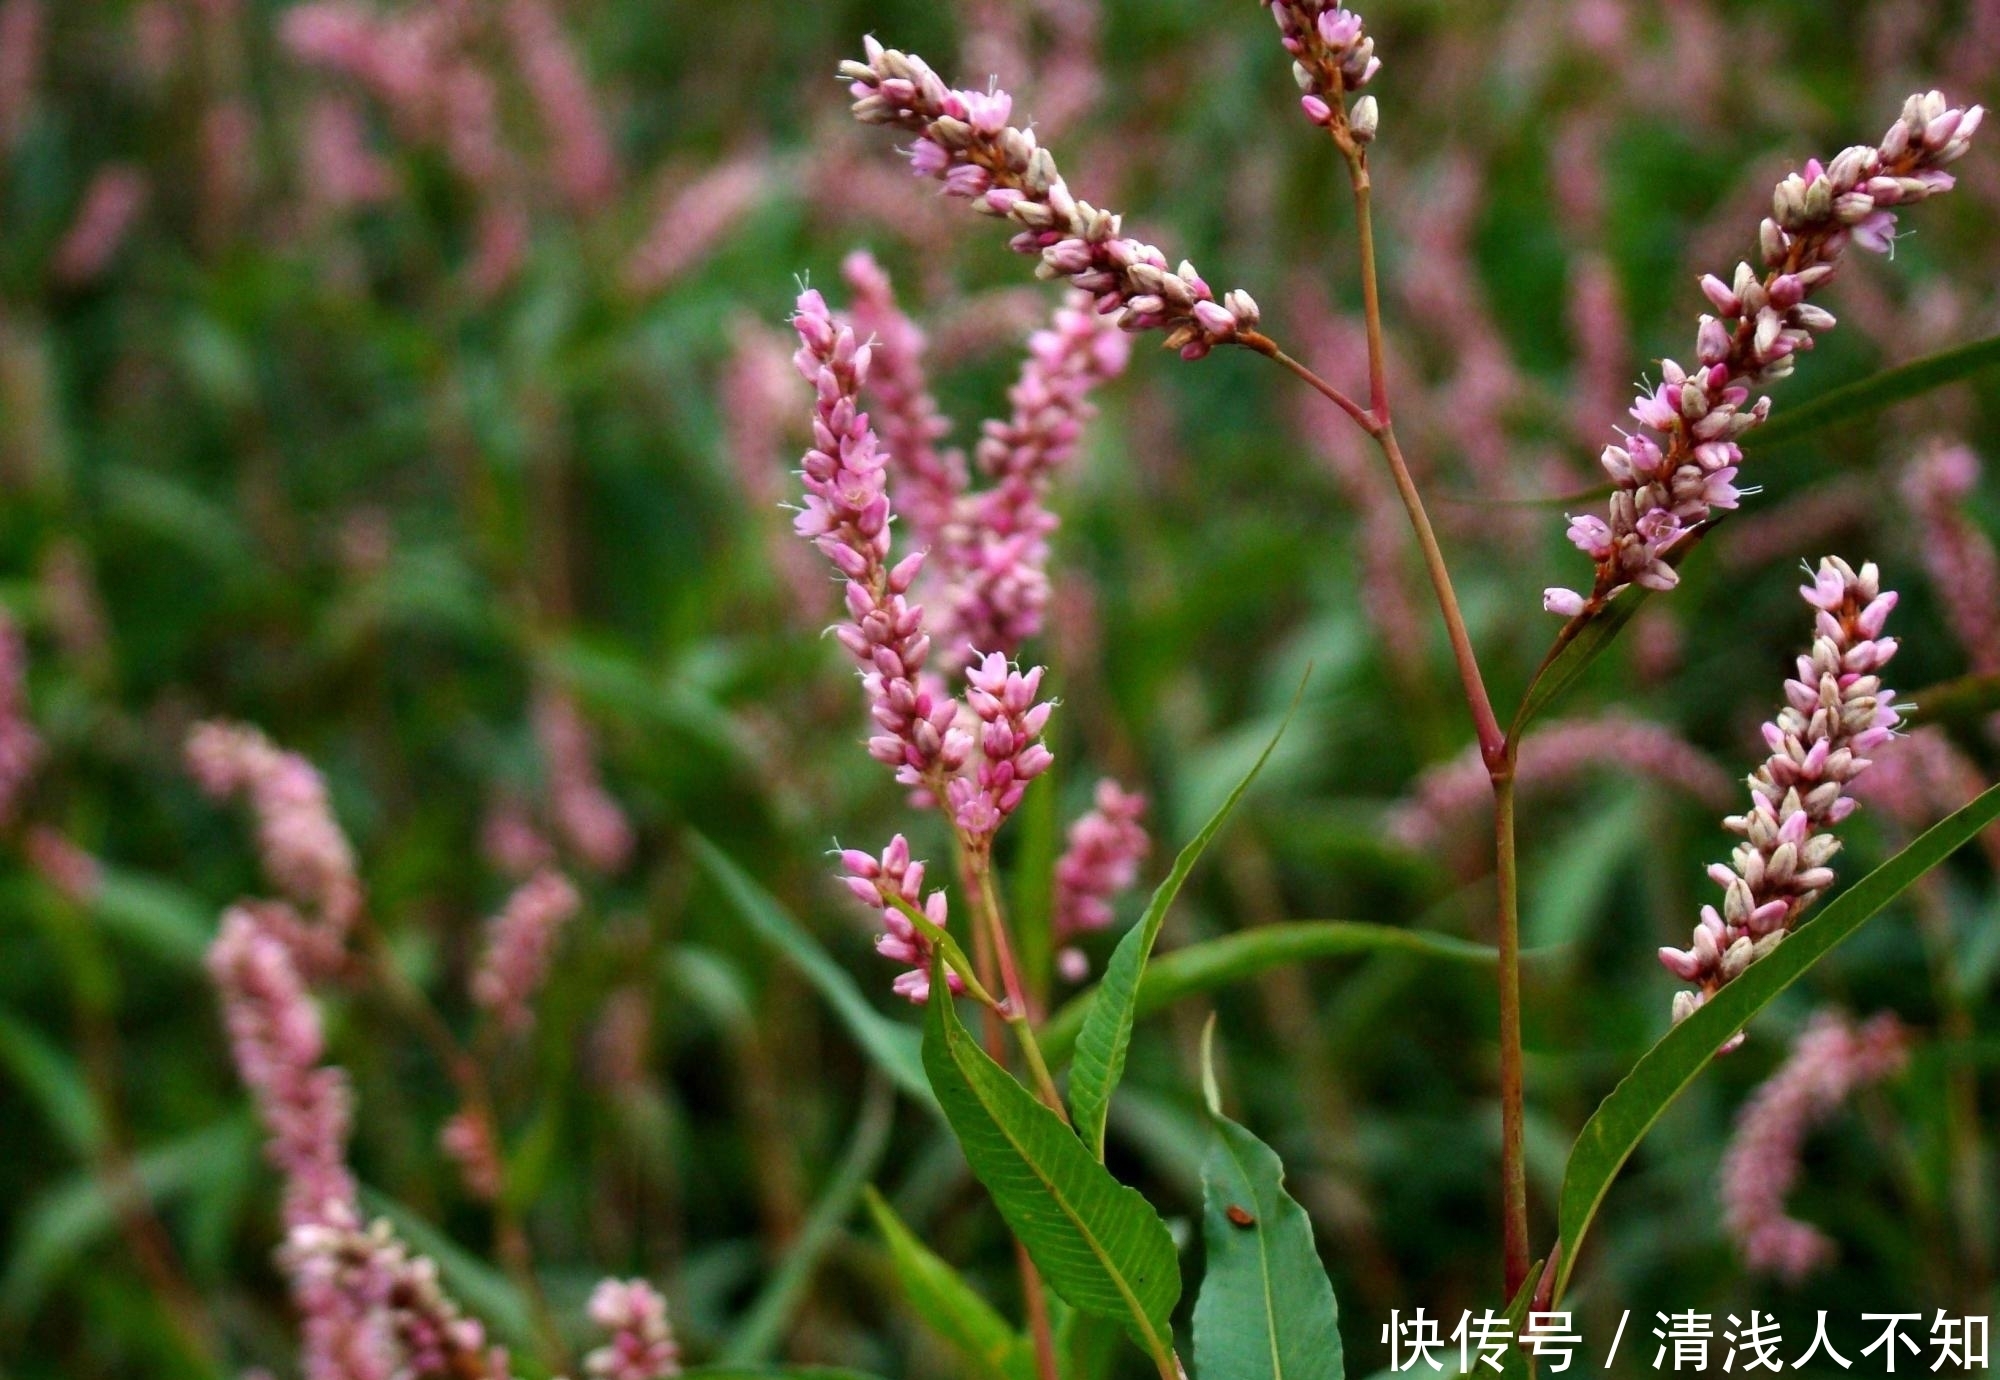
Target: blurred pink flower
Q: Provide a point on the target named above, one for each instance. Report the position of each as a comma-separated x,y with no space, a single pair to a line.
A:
111,203
467,1139
513,846
20,745
519,943
1828,1063
1964,570
641,1345
586,818
303,849
992,562
696,214
75,874
1447,797
1106,845
580,157
341,171
274,1034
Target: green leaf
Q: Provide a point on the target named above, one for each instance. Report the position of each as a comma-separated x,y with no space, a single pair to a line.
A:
1215,963
70,1218
893,1047
1873,394
1966,700
990,1348
1098,1243
1106,1036
1266,1309
55,1081
168,920
764,1324
1665,1070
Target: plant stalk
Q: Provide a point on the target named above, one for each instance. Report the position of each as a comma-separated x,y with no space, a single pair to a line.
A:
1513,1164
1495,748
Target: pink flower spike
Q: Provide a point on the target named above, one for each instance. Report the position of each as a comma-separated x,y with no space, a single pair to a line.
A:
1780,868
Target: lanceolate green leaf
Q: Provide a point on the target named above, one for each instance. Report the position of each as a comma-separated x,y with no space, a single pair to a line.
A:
893,1047
1874,393
1967,699
1106,1034
1624,1118
1266,1310
1098,1243
1215,963
989,1348
763,1325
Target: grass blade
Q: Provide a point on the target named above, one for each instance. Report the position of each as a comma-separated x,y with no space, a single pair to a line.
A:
990,1348
1106,1033
1868,396
1664,1071
893,1047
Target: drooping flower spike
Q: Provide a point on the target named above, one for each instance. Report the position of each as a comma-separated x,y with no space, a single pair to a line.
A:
965,141
1831,1060
1836,711
1680,465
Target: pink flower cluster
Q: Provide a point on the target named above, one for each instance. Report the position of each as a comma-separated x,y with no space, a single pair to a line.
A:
20,745
1681,463
930,482
374,1311
996,549
467,1139
580,157
275,1036
1011,753
641,1345
965,141
1830,1061
1836,710
519,941
302,846
584,814
879,883
369,1310
111,203
847,516
1964,569
1332,55
697,211
1105,847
